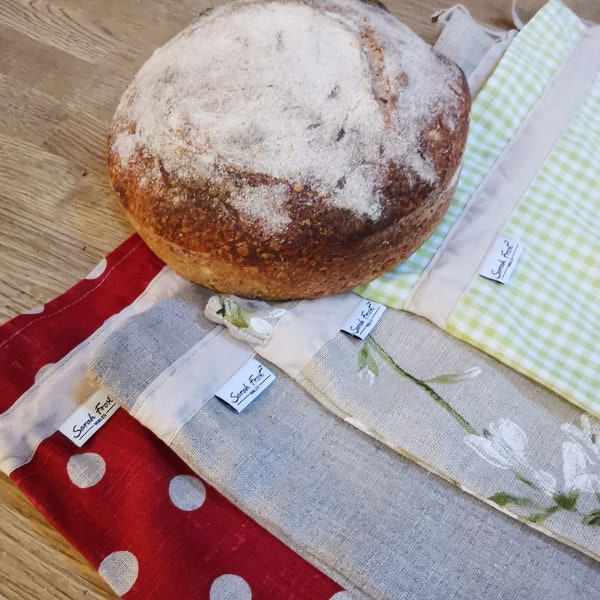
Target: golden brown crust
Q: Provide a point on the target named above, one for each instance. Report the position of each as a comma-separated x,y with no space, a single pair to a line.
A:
324,249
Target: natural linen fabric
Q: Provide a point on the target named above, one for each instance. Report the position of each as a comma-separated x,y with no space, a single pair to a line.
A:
448,407
546,321
374,521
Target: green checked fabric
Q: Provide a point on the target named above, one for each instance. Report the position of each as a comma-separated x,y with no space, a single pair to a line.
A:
526,70
523,181
546,323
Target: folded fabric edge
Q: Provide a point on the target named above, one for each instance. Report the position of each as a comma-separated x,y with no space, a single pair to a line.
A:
189,383
31,418
268,327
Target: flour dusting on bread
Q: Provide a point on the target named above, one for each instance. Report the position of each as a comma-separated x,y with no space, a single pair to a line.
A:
321,96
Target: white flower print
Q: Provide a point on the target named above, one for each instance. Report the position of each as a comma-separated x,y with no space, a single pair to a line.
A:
576,469
369,375
581,456
504,446
261,327
532,493
263,322
588,436
251,321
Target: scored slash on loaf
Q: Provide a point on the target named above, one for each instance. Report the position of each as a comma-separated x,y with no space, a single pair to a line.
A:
287,149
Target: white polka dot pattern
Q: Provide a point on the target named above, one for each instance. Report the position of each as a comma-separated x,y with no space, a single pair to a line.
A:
86,470
36,310
120,569
230,587
42,371
98,270
187,492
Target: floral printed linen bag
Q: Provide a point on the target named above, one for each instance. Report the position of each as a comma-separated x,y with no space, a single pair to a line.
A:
440,402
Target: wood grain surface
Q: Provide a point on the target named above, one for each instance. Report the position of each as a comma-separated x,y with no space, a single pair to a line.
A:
63,67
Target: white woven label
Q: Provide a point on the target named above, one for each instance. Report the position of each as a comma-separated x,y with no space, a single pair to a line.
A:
363,319
89,417
246,385
502,260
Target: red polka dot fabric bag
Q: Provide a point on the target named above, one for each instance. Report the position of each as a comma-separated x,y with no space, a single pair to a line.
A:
131,506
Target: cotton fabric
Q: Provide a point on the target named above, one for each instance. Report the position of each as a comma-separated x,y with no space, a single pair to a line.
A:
545,321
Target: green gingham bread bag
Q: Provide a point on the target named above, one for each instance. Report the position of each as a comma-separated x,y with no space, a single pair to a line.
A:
514,269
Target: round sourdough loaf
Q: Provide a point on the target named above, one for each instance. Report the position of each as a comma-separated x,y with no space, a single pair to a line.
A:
286,149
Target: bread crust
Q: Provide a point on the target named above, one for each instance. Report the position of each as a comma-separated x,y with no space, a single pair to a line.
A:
323,247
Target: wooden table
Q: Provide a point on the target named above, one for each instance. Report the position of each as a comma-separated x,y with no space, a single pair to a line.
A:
63,66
